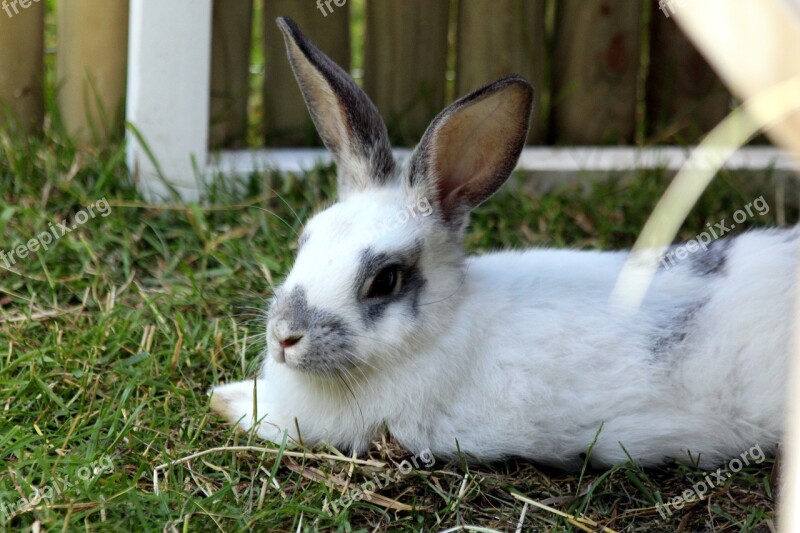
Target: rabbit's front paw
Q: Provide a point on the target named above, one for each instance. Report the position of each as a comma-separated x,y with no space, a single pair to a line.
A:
243,404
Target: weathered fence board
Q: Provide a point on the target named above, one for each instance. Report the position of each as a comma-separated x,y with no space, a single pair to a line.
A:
22,65
91,68
231,41
405,62
286,120
501,37
685,98
596,61
585,63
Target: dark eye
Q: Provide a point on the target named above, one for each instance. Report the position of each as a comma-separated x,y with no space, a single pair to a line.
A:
385,282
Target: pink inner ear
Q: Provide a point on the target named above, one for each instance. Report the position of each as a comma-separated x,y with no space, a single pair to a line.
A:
473,146
333,119
456,182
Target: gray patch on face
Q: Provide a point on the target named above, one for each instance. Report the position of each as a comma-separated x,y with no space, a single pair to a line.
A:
330,340
712,261
411,282
675,331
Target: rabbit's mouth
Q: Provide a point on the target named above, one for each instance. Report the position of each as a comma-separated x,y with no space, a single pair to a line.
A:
309,339
316,352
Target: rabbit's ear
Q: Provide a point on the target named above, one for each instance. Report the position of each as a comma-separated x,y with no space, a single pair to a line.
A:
472,147
346,119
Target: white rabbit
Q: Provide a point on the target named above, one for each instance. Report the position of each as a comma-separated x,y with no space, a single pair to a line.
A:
516,353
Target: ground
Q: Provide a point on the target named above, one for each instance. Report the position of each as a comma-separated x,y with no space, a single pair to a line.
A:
111,337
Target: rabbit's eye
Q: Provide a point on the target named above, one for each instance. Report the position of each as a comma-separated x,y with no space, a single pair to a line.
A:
385,282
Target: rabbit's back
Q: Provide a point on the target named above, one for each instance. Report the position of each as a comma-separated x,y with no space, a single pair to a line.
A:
700,366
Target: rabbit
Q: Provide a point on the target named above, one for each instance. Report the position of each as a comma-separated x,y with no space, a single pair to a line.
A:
514,353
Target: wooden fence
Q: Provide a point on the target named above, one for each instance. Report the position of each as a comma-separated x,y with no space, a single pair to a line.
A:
606,71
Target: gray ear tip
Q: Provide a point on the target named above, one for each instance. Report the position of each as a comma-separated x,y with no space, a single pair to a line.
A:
287,25
509,84
291,31
519,82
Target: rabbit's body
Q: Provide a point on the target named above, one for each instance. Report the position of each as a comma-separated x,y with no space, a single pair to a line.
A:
698,368
510,353
694,370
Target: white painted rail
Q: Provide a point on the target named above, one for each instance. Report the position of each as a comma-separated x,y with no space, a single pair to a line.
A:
543,167
533,159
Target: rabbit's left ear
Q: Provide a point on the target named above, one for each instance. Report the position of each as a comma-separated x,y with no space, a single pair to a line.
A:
346,119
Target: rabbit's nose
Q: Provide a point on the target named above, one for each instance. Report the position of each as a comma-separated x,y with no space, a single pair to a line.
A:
285,335
290,340
285,342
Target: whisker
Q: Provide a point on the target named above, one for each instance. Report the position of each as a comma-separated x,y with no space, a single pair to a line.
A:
353,395
461,284
246,339
276,216
289,206
379,341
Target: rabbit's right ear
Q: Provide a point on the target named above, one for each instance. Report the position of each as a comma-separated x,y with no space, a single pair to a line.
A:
345,117
470,149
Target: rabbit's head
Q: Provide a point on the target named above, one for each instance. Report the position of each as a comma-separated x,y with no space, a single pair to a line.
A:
381,271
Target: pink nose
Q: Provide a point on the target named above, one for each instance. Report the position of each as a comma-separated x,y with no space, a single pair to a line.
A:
289,341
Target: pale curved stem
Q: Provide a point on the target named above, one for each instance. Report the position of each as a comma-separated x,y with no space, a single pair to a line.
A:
771,106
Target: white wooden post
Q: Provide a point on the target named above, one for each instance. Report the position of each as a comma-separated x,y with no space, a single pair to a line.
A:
168,96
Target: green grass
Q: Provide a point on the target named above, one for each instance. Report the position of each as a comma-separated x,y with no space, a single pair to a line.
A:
110,339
